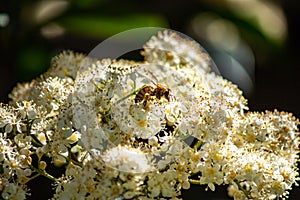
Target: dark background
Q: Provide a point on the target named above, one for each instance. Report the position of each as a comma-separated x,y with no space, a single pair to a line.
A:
26,51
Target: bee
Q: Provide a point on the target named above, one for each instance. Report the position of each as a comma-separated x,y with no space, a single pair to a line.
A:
144,94
162,92
148,92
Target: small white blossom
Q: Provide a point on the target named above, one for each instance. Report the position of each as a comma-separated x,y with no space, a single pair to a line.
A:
127,160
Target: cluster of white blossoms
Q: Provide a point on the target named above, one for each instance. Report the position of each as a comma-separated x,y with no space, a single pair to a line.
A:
143,130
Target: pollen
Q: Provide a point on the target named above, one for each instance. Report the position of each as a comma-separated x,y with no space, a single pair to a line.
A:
142,123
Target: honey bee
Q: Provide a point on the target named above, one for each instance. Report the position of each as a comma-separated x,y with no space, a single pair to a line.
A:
147,92
162,92
144,94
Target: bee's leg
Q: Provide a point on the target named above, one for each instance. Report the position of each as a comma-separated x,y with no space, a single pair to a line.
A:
172,97
146,101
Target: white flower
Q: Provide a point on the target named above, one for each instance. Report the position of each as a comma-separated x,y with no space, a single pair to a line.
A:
13,191
144,130
211,175
170,48
126,159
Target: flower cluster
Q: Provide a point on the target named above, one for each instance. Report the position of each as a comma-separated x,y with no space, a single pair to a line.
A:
143,130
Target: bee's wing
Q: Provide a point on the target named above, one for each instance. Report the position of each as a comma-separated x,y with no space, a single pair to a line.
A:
147,75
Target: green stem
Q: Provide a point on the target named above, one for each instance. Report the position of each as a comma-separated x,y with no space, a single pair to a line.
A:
36,140
195,182
242,189
85,156
197,145
69,159
131,93
43,173
33,177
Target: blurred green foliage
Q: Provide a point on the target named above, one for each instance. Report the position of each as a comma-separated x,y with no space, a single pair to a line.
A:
37,30
97,26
